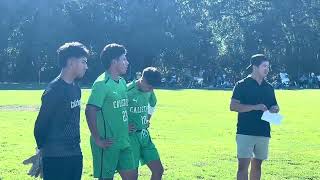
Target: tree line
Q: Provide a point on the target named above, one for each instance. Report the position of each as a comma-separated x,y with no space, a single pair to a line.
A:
219,35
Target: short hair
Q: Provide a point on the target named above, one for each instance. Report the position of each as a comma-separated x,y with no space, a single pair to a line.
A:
70,50
257,60
152,76
110,52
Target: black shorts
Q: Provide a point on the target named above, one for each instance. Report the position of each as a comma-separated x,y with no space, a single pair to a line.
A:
62,168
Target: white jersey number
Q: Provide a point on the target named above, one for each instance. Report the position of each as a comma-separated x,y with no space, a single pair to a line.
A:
124,116
144,120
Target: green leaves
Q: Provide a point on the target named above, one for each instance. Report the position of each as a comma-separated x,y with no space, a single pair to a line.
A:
166,33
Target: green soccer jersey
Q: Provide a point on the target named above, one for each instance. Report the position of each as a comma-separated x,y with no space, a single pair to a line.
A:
112,120
138,105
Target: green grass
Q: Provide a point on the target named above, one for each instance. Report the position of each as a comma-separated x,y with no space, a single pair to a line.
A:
194,132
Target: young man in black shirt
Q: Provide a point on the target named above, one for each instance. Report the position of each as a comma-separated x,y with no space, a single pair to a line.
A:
57,126
251,97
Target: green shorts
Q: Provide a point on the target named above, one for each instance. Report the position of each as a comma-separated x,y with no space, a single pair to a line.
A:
106,162
144,150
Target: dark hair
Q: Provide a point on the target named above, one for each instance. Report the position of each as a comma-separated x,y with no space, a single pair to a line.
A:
70,50
257,60
152,76
110,52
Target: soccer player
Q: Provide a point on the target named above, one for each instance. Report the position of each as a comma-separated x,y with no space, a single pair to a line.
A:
251,97
142,102
107,118
57,128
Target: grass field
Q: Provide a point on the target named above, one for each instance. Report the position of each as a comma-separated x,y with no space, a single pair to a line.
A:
193,130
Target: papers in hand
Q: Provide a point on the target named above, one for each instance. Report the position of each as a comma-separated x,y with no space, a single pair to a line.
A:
273,118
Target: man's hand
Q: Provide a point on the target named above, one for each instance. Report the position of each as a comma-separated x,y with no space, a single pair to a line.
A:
103,143
274,109
36,168
260,107
132,128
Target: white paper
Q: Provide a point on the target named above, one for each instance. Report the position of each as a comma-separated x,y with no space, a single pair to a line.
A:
273,118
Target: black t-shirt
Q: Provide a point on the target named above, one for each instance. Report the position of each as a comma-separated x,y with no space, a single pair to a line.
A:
249,92
57,128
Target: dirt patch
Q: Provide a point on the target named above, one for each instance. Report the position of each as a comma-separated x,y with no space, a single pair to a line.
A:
31,108
19,108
